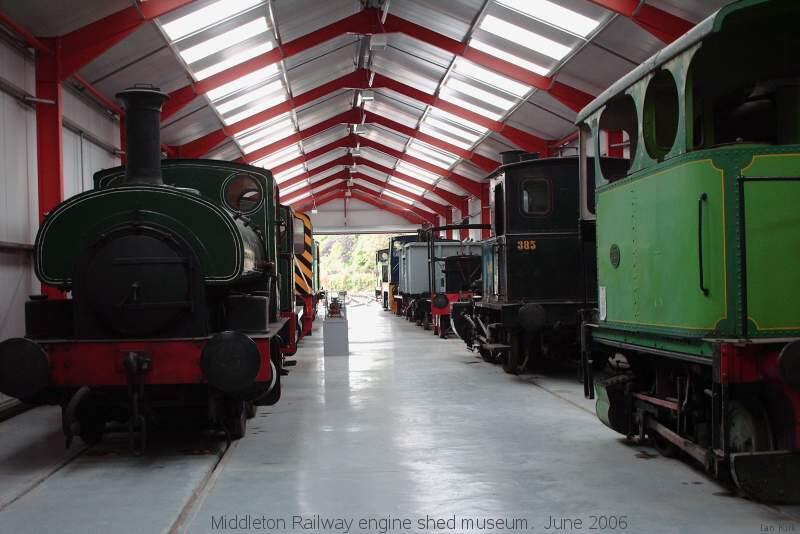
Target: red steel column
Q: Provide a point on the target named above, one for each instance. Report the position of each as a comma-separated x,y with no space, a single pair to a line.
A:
615,148
49,135
485,211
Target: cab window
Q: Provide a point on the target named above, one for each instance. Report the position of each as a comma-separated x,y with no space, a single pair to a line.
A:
536,197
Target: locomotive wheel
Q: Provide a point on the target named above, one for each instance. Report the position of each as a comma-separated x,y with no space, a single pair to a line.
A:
91,430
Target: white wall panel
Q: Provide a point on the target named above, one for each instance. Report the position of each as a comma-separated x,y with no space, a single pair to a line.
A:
361,217
90,119
82,158
18,187
17,68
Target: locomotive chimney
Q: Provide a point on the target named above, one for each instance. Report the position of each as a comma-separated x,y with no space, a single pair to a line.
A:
143,134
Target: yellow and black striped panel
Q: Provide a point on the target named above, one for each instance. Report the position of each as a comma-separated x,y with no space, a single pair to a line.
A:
303,273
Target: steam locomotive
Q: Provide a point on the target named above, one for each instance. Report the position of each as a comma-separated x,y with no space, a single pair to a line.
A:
173,301
697,250
538,268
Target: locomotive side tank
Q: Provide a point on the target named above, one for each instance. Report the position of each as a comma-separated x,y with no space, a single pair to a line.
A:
697,241
173,301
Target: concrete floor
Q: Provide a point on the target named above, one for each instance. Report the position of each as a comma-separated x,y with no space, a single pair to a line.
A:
408,427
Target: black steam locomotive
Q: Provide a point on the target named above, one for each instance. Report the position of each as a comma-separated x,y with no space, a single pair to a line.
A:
539,268
170,268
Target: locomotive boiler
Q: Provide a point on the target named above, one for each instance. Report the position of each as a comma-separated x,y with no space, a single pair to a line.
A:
166,296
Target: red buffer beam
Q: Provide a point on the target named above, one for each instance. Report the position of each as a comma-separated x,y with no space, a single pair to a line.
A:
664,26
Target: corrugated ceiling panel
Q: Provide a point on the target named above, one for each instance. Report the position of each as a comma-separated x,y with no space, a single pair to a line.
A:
191,127
394,110
316,177
423,51
227,152
386,137
402,101
451,18
322,70
325,158
470,171
49,18
328,47
161,69
691,10
378,157
325,138
408,69
369,171
493,145
449,186
296,18
324,110
542,122
593,70
325,185
629,40
143,42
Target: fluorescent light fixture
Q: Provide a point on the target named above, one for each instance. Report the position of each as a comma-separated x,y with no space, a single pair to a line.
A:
415,172
401,198
234,60
405,185
225,40
205,17
314,211
511,58
358,129
503,83
526,38
447,126
348,193
247,80
554,14
451,97
365,96
249,96
355,152
475,92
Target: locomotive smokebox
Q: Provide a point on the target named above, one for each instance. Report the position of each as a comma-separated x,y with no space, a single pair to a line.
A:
143,134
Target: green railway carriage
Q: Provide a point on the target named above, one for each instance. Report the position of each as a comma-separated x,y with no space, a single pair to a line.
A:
697,248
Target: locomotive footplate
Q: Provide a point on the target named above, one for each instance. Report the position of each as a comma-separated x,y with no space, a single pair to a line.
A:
768,476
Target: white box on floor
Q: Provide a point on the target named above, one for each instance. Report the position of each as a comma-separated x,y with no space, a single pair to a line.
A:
334,337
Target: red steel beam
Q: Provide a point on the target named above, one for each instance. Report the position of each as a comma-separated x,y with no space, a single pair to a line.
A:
664,26
330,194
81,46
365,195
26,36
49,137
309,187
344,160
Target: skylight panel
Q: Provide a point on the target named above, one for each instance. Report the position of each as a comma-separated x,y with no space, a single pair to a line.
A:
450,127
395,196
397,182
249,96
263,130
528,39
416,172
205,17
554,14
234,60
454,99
224,40
281,156
259,107
470,69
245,81
511,58
437,114
432,156
299,197
290,173
490,98
292,188
461,143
